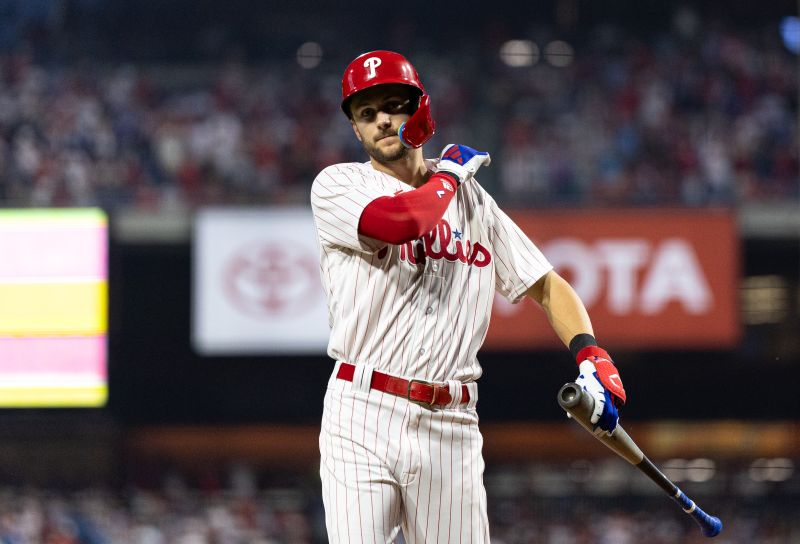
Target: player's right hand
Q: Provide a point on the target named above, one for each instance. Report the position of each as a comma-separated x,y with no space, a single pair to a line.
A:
462,162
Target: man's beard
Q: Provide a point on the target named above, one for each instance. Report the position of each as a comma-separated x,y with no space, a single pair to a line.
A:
382,157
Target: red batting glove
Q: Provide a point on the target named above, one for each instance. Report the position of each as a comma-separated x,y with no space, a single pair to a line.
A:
607,373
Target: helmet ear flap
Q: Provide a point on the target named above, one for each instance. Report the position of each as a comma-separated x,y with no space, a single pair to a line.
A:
420,127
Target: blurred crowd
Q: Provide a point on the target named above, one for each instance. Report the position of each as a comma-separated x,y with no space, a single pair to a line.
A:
528,504
697,114
123,137
100,516
706,119
295,516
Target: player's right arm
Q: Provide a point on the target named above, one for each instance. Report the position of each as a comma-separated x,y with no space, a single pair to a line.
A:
407,216
351,212
354,211
339,195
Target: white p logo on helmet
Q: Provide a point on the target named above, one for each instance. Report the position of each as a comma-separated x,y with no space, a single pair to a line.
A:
370,64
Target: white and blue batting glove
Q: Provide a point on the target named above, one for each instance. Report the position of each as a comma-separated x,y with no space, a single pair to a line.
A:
462,162
605,415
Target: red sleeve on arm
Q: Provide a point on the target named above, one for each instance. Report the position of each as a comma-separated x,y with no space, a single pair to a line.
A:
401,218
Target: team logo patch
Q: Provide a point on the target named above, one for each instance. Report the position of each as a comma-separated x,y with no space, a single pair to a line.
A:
447,185
371,64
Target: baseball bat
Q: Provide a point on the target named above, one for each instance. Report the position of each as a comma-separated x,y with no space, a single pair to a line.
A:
580,406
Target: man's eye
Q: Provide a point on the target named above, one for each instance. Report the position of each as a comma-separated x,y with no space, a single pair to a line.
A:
367,113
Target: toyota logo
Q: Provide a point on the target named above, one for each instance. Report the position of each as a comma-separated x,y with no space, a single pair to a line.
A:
272,279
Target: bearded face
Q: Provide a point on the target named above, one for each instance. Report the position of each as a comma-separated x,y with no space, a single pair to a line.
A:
376,115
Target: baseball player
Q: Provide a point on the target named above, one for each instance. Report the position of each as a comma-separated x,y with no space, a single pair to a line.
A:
411,254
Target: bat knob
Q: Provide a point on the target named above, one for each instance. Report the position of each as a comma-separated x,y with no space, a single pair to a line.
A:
712,527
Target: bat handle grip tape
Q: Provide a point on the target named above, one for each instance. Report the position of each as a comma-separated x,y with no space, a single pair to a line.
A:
709,525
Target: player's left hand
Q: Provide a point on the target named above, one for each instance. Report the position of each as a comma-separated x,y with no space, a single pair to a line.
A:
600,378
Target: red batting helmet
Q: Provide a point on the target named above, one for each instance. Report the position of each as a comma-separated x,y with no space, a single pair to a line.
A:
377,68
384,67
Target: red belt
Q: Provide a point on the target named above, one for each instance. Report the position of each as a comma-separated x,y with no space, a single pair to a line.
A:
417,391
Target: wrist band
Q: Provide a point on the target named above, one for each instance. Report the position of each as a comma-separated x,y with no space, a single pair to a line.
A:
580,341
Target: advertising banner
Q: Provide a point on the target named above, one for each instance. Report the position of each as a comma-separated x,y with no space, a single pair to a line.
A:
660,279
649,278
257,287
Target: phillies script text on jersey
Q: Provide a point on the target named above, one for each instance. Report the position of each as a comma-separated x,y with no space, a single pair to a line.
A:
466,252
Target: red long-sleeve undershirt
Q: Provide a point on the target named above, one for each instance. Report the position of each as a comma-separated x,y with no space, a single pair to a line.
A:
407,216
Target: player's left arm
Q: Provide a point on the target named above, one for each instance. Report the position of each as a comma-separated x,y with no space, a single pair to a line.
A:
564,309
570,321
521,269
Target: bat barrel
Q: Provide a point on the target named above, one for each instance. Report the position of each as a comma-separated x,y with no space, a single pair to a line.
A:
569,396
580,406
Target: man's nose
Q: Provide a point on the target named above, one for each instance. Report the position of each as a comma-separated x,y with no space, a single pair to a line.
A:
384,119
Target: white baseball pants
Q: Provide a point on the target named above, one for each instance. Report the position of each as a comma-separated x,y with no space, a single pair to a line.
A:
388,464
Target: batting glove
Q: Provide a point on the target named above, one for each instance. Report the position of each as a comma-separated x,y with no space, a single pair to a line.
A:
600,378
462,162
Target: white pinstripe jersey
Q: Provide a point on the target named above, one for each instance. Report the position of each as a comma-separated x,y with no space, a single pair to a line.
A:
420,309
